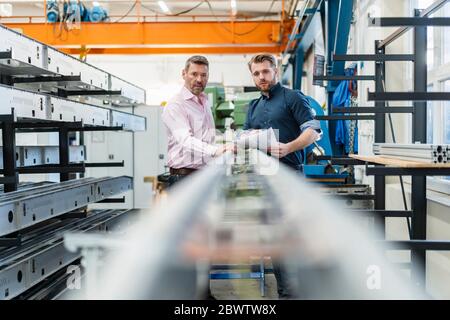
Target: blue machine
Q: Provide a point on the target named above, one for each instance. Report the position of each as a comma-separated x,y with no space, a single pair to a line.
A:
74,9
97,14
52,11
322,171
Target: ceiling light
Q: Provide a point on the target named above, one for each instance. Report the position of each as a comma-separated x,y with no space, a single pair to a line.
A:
233,7
163,6
6,9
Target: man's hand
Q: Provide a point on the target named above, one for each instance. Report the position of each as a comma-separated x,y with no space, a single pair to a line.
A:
280,150
224,148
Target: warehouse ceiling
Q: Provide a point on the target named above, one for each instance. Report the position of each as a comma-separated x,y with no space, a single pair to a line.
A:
147,27
208,9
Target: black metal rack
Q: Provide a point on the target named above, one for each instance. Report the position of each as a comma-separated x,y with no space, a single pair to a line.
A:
418,243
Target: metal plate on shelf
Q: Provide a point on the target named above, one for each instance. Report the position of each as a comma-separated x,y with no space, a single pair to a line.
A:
22,209
129,121
39,155
26,56
63,64
26,105
23,267
131,94
67,110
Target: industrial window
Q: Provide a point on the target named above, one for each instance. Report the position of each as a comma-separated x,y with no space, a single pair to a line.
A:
438,60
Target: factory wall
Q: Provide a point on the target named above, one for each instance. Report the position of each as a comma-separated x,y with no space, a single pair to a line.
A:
399,77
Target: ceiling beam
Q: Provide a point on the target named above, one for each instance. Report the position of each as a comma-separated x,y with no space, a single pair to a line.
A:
162,37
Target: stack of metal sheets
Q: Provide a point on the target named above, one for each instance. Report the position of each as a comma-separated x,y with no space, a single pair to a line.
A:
426,153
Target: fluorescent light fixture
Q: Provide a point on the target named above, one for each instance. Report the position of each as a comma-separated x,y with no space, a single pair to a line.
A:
96,4
163,6
6,9
233,7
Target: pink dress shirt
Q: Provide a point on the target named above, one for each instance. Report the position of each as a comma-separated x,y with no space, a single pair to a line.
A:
190,130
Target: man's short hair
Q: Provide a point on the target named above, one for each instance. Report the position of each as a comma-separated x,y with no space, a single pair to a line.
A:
196,60
260,58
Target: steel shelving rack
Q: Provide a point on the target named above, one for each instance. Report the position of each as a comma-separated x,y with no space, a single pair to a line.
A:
418,243
44,90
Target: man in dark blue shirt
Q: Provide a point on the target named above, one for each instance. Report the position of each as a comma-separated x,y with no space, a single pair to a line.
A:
289,114
285,110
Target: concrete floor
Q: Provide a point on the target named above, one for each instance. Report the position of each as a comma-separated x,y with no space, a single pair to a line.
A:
247,289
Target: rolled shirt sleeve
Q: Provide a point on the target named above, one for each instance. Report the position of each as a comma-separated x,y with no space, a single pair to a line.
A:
304,114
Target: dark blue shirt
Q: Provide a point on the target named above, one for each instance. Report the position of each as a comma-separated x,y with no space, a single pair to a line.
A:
286,111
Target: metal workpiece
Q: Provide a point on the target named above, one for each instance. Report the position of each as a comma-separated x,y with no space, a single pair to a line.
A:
20,55
128,121
25,208
42,107
351,196
130,93
426,153
226,214
71,111
42,251
35,66
64,64
39,155
26,105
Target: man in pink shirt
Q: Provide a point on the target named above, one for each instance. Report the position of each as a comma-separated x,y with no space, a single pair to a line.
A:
190,124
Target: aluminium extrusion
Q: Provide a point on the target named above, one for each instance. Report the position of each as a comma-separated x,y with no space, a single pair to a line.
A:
39,155
128,121
64,64
132,93
26,105
34,106
22,209
25,55
23,267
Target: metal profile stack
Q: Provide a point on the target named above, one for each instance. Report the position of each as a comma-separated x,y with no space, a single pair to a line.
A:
37,67
29,105
25,208
44,90
426,153
39,155
42,253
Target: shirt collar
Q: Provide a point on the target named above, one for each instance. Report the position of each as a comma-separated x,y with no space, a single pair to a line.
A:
273,91
187,95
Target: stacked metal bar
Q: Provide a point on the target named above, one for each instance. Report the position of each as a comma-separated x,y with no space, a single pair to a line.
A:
426,153
42,251
25,208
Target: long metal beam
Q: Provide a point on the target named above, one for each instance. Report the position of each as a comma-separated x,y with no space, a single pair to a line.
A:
22,209
408,96
23,56
425,13
29,105
409,22
39,155
373,57
43,254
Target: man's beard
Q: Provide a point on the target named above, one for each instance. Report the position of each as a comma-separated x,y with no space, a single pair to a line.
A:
198,89
270,85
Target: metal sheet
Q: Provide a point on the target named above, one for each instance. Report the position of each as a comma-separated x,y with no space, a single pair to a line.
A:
22,209
133,93
26,266
26,105
128,121
27,55
64,64
39,155
67,110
